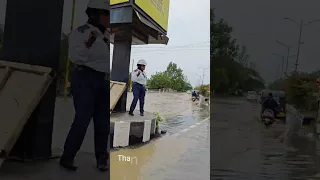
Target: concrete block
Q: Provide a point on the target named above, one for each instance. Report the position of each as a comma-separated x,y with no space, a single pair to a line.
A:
137,129
146,130
121,134
153,126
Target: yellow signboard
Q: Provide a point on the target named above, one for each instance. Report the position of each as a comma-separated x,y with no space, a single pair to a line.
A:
113,2
158,10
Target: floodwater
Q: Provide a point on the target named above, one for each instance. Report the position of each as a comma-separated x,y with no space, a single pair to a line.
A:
247,150
183,153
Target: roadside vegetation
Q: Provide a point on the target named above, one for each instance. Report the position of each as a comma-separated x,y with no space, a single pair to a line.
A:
204,90
231,70
172,78
301,90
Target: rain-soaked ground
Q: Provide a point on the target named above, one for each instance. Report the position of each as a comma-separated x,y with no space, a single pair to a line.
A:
242,148
183,153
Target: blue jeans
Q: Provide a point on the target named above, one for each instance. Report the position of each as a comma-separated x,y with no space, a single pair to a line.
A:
91,98
139,92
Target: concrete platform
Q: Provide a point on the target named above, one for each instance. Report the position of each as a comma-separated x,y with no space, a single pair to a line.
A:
126,129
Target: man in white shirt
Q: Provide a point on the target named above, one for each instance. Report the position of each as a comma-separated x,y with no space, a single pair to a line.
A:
89,50
139,82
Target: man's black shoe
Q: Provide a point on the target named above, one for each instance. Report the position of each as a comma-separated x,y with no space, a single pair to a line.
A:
68,165
141,114
131,113
102,167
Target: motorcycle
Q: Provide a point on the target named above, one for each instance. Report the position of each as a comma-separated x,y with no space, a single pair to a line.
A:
268,117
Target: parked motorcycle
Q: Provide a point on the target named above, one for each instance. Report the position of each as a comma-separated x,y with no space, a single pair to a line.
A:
268,117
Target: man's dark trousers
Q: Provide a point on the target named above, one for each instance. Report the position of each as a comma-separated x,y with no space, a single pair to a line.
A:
91,96
139,93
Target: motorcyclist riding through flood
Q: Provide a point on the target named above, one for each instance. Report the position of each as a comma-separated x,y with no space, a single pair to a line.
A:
271,104
194,94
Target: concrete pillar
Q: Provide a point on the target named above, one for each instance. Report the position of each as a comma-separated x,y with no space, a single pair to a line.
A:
121,64
32,35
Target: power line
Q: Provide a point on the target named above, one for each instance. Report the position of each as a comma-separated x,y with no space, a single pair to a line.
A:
171,47
168,50
167,47
159,50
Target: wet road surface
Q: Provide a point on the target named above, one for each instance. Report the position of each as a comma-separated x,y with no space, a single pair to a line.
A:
172,157
183,153
242,148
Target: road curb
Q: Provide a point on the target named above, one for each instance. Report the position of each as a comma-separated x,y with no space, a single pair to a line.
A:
190,127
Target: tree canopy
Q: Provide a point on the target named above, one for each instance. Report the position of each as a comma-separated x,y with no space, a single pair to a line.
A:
204,89
229,62
172,78
301,89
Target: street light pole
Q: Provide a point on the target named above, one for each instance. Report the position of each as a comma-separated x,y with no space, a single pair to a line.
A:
298,51
282,67
300,25
204,70
288,54
199,80
282,63
287,63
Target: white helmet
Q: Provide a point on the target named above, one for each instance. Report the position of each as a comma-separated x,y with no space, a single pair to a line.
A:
142,62
100,4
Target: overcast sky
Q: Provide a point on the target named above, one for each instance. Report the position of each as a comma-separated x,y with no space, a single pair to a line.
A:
187,26
258,24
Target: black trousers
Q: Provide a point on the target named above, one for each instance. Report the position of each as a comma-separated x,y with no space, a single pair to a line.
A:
91,97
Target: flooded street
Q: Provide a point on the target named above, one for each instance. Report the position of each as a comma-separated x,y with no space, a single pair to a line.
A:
247,150
183,151
175,156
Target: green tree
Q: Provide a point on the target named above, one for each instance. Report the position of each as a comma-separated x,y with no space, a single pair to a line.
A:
203,89
229,63
172,78
160,80
300,88
243,57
